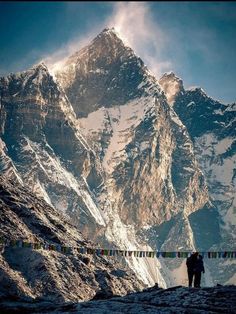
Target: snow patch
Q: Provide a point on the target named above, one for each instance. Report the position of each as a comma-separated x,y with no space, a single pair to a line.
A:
219,173
191,104
54,170
119,122
175,118
218,111
222,146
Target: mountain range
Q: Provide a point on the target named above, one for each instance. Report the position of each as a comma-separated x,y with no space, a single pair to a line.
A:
135,162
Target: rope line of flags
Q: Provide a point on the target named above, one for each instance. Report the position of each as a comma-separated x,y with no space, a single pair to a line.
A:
112,252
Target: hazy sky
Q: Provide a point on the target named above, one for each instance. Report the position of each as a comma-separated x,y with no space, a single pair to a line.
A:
196,40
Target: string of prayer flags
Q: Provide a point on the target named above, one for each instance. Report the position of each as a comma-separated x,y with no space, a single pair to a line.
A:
112,252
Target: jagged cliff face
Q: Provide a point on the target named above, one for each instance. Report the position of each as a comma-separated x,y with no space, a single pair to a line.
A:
215,147
143,146
172,86
103,144
51,275
211,126
40,144
151,172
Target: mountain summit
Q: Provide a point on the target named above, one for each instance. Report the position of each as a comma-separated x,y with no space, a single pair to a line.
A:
172,86
104,73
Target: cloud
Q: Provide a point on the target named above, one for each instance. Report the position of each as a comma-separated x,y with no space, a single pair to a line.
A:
134,23
136,26
56,60
21,64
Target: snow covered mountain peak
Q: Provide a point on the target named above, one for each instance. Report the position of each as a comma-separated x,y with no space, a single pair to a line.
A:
105,73
109,33
170,74
40,66
196,89
36,70
107,45
109,30
172,85
34,84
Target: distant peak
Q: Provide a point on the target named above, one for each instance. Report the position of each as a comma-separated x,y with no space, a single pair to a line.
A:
110,30
107,29
109,33
196,89
40,66
170,75
172,86
37,69
107,43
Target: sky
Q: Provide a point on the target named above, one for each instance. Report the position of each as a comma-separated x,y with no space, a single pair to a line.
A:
195,40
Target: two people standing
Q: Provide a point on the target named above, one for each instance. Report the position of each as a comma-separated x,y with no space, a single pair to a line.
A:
195,268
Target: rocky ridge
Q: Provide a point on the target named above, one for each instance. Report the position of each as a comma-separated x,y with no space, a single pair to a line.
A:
211,126
220,299
34,274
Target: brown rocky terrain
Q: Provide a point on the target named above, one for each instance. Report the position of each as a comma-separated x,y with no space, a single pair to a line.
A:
220,299
34,274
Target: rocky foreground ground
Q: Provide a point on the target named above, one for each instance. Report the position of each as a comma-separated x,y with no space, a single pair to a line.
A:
219,299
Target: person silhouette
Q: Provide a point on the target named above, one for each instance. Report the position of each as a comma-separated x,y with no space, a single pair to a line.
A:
190,262
198,269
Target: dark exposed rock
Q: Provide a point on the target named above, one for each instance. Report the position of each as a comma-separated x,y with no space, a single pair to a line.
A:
176,300
44,274
212,116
